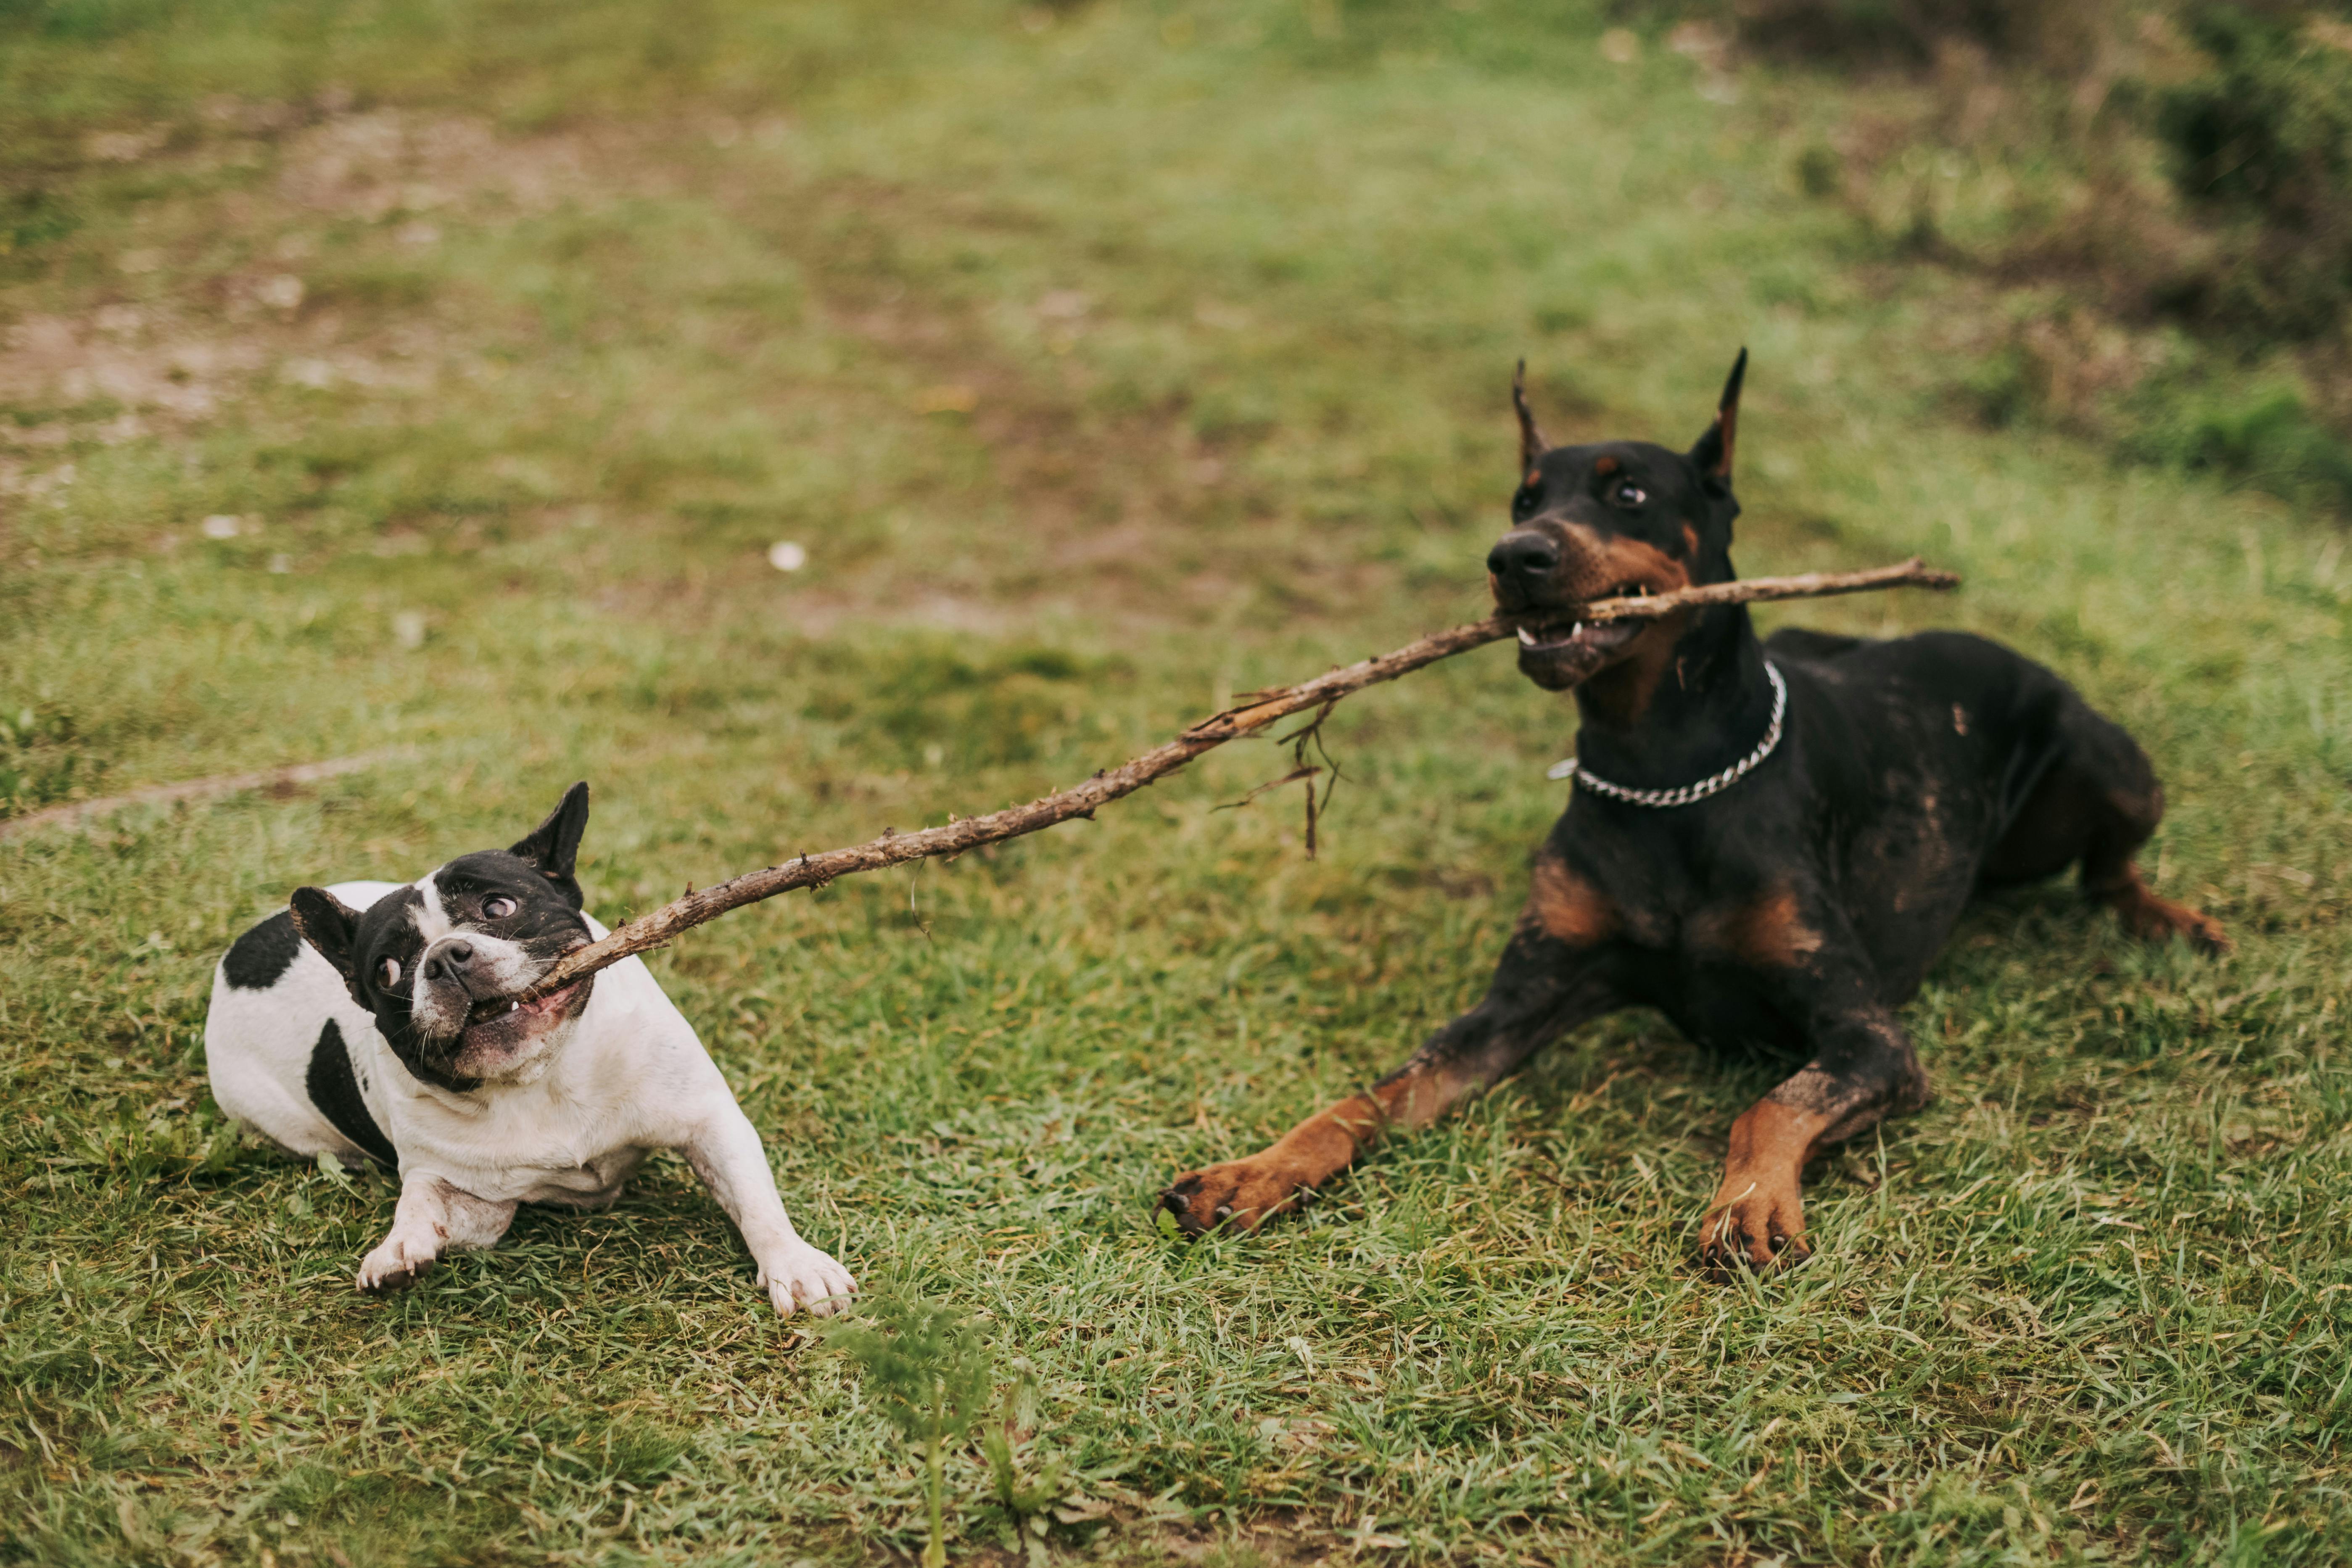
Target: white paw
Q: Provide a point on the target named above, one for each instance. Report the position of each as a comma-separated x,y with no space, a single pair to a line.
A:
804,1277
394,1265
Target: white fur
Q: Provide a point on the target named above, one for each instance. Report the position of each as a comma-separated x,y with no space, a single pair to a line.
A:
633,1078
500,966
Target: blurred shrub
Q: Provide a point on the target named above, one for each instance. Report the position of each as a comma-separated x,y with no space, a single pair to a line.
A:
2264,137
2149,166
2060,35
2001,389
2268,438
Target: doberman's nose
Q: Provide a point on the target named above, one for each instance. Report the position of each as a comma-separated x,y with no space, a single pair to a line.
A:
1522,555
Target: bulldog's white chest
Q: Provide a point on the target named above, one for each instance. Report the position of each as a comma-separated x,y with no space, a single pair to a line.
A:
633,1079
592,1182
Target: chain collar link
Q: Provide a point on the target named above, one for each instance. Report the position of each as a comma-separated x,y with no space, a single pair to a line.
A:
1587,779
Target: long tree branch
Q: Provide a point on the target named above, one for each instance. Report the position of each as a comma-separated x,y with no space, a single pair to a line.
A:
1258,710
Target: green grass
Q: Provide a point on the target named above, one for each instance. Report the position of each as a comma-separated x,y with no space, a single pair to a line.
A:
1106,361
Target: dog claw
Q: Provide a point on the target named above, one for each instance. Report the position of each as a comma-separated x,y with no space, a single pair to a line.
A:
1237,1196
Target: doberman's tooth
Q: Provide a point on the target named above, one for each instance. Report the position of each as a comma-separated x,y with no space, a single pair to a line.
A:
1526,638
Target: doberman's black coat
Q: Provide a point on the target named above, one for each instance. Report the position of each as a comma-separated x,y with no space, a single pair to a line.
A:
1794,911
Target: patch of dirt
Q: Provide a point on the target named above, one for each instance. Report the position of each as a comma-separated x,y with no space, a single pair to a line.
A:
278,784
374,165
155,367
115,354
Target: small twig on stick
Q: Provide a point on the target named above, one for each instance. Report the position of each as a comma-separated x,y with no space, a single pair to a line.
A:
1292,777
1253,714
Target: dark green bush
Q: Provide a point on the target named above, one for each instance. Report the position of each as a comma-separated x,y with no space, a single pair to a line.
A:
1909,33
2264,139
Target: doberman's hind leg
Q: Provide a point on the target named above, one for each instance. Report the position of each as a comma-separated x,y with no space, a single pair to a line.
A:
2096,805
1541,988
1863,1072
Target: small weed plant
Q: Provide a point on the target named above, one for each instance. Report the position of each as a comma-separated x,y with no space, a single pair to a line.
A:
933,1373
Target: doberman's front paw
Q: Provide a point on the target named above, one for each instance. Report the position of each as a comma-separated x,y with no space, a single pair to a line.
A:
1239,1195
1758,1223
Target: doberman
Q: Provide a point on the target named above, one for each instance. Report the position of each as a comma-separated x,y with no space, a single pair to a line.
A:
1768,843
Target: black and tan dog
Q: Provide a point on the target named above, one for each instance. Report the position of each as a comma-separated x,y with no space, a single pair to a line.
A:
1768,843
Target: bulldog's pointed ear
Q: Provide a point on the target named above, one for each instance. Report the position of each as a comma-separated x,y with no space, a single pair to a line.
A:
329,925
1712,456
1532,444
554,844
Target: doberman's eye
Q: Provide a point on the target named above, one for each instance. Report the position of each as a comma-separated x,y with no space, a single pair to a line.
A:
1629,494
387,974
499,907
1523,505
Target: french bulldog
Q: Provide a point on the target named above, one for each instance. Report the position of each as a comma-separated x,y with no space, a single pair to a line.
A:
380,1021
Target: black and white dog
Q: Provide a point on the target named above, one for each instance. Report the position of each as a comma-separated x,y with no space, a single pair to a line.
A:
378,1020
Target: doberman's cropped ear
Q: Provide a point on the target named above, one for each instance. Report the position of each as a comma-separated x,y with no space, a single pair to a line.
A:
329,925
1532,444
1712,456
554,844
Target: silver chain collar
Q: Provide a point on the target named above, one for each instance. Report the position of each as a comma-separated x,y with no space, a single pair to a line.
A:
1586,778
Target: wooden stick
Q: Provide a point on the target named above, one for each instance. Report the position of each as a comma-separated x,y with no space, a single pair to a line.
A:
1260,709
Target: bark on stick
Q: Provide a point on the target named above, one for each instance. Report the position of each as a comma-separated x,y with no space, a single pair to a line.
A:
1258,710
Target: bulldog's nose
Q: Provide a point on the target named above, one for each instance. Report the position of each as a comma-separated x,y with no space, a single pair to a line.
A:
448,958
1522,555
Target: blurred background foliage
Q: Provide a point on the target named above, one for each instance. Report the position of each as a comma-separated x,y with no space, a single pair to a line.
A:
2156,194
2163,193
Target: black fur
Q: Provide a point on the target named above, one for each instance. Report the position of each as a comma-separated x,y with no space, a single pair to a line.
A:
553,845
334,1088
1791,913
260,958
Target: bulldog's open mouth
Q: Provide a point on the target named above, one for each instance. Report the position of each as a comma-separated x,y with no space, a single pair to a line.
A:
501,1022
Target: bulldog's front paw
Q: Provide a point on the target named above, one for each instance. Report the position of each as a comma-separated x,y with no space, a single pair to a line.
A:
396,1265
1757,1221
1240,1194
805,1278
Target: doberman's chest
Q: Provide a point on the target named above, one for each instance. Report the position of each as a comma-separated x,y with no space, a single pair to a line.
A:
1759,917
1723,962
1727,936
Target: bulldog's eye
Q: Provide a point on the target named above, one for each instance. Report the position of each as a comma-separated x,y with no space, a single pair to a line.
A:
387,974
1630,495
499,908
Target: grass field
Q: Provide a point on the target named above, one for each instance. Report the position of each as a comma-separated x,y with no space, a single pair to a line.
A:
1106,359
